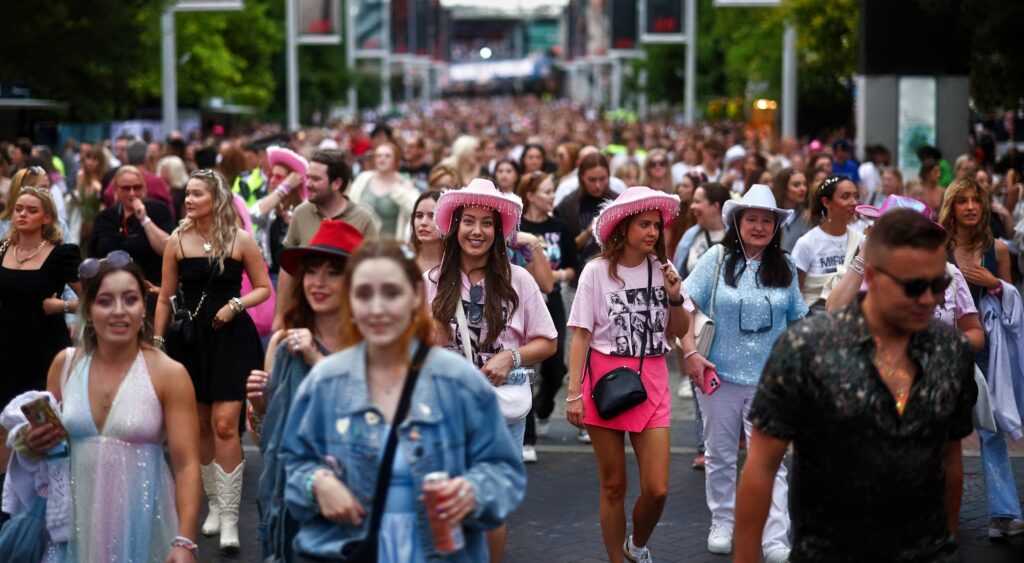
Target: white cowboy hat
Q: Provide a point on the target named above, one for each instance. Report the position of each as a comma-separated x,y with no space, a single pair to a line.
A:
759,196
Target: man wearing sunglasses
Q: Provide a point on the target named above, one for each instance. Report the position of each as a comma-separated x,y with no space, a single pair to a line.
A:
875,398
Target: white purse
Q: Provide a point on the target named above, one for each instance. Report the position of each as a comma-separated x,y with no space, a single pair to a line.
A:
514,399
704,325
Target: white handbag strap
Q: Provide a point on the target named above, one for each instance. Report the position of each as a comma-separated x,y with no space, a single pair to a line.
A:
65,372
714,288
460,316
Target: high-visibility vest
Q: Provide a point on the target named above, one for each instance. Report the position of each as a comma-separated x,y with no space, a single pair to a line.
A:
249,186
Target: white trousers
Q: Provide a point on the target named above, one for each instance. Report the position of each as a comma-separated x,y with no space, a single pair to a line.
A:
725,412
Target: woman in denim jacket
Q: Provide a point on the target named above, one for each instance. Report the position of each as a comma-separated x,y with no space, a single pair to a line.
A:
340,420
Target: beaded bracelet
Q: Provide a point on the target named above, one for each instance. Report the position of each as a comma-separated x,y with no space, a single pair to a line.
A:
517,360
182,541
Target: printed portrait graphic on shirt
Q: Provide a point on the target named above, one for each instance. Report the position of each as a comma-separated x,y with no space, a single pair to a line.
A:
638,319
481,354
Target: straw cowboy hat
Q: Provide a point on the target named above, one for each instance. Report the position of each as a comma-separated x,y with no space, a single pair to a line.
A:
759,196
630,202
479,193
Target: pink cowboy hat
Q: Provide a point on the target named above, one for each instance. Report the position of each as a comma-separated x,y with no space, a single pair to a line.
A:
292,161
894,201
630,202
479,193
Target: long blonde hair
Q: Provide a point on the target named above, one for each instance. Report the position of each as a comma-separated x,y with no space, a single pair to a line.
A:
981,237
50,231
225,219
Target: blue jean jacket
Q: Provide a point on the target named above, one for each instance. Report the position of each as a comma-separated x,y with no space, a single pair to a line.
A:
453,425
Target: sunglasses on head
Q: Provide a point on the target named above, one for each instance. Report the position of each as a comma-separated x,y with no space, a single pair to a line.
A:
90,266
917,286
36,170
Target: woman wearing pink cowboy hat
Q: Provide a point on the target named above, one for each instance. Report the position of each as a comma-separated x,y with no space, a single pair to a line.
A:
493,311
270,215
628,284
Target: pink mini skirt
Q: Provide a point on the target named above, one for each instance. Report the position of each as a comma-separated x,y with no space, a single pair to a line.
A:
655,412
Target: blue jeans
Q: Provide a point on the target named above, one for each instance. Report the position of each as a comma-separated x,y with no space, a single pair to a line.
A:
518,430
999,484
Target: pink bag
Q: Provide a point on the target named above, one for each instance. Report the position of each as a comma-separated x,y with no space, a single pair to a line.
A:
262,315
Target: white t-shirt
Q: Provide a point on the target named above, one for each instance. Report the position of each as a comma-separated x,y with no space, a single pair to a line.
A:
679,170
818,253
621,318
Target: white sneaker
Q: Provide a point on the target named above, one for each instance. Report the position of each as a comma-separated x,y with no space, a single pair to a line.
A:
583,436
685,390
780,555
542,427
529,454
720,539
643,556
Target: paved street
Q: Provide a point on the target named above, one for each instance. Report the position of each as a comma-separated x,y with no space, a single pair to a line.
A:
558,520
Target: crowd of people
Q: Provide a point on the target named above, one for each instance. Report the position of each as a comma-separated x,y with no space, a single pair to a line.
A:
391,309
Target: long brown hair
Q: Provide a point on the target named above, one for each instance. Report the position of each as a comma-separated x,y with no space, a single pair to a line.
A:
497,280
297,312
422,325
417,246
981,237
616,245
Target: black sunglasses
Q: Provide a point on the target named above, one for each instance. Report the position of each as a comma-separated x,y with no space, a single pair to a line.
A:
917,286
89,267
476,304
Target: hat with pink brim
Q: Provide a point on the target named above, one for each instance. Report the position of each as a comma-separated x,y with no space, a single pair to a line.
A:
891,202
479,193
630,202
292,161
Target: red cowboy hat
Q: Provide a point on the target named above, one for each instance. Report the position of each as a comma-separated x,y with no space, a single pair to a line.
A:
335,238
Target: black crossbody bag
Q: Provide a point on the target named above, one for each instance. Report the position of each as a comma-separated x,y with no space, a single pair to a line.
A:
621,388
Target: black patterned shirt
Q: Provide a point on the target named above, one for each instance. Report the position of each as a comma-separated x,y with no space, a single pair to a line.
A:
866,484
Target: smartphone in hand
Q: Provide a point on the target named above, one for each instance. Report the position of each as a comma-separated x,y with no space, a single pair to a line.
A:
39,412
711,382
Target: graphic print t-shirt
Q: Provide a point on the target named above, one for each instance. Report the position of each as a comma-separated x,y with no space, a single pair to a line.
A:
530,320
623,318
818,253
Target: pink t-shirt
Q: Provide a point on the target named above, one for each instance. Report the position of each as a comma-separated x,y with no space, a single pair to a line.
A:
622,317
531,318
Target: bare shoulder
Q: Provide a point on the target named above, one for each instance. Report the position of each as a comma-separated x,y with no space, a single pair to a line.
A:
1002,251
165,373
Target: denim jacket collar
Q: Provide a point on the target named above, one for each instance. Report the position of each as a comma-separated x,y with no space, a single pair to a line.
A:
423,408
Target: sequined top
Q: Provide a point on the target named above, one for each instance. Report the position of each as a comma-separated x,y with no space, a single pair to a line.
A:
123,502
865,483
748,317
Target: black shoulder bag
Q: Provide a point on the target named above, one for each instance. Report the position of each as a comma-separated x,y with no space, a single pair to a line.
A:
365,550
181,332
622,388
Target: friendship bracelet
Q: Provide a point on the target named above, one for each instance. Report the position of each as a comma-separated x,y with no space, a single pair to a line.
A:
146,221
283,190
517,360
576,398
182,541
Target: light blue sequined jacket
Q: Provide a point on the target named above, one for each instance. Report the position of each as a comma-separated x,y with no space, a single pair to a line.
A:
453,425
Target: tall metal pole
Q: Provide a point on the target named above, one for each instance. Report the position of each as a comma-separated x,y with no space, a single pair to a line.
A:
291,65
169,74
616,83
690,94
350,55
385,62
789,92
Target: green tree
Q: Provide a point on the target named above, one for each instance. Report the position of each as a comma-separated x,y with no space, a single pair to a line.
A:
84,52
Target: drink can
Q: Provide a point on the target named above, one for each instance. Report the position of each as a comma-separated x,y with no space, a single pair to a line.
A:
447,535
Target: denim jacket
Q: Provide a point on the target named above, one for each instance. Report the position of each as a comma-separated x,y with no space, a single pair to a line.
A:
453,425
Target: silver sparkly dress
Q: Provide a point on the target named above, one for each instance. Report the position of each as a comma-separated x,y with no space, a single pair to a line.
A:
123,504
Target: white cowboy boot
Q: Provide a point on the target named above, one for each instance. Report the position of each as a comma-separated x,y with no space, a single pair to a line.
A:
211,485
230,497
